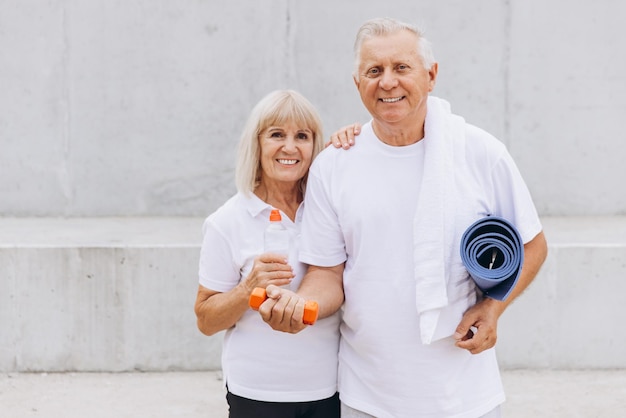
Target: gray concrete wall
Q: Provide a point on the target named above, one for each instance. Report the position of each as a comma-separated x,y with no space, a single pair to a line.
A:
101,295
571,314
117,294
135,107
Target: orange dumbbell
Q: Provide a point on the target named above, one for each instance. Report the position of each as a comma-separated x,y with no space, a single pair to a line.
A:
258,296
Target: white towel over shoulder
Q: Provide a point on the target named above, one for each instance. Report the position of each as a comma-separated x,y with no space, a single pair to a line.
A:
433,225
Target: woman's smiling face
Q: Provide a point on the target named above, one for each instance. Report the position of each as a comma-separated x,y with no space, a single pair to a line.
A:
286,153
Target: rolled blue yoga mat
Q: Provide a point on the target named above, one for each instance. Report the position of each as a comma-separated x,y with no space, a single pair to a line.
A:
493,253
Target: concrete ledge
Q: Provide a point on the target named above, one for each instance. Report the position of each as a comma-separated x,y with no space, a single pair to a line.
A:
117,294
573,313
101,295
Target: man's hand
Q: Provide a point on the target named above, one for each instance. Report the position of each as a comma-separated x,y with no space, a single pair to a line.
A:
477,330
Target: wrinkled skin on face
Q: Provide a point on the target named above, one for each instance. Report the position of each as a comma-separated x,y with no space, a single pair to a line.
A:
394,86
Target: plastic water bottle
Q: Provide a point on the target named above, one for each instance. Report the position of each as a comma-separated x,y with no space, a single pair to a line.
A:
277,237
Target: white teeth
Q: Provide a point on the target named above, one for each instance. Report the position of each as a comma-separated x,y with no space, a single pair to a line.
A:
288,162
392,100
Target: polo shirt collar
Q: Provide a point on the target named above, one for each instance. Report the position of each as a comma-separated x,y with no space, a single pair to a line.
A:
255,206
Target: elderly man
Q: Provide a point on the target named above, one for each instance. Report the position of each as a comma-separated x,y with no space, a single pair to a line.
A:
381,234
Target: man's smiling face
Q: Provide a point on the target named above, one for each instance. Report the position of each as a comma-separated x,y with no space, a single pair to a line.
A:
392,80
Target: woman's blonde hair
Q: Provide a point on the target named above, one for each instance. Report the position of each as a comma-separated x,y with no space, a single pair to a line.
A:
276,109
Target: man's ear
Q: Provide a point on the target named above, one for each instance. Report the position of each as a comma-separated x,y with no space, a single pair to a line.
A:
356,80
433,75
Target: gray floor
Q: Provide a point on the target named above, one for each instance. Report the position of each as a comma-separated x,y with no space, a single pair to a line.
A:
199,394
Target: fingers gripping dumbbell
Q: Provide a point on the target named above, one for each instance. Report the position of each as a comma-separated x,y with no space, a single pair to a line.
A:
258,296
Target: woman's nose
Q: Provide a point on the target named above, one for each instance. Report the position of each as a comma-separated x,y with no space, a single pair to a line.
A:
290,144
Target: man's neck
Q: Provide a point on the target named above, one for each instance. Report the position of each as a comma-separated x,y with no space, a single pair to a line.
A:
398,135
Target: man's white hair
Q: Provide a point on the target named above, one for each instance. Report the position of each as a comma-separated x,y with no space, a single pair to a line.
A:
386,26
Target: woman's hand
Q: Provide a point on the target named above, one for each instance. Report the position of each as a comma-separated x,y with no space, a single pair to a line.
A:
344,137
283,310
217,311
269,268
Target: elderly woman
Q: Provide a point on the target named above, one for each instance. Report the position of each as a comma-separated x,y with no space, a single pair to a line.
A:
267,373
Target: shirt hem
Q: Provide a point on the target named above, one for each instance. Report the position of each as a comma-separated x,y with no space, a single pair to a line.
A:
475,412
278,396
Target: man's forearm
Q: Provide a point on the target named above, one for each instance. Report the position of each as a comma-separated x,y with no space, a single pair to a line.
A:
535,252
325,286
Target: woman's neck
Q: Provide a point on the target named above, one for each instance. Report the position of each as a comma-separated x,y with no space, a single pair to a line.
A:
287,198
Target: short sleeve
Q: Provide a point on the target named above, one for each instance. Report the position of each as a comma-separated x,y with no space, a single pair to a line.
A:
322,241
513,199
217,271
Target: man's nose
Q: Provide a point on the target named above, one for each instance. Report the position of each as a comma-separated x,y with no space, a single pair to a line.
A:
388,80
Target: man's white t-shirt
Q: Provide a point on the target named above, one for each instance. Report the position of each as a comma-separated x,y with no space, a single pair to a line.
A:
360,209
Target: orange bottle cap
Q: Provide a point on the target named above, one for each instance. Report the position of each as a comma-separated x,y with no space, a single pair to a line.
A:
275,215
